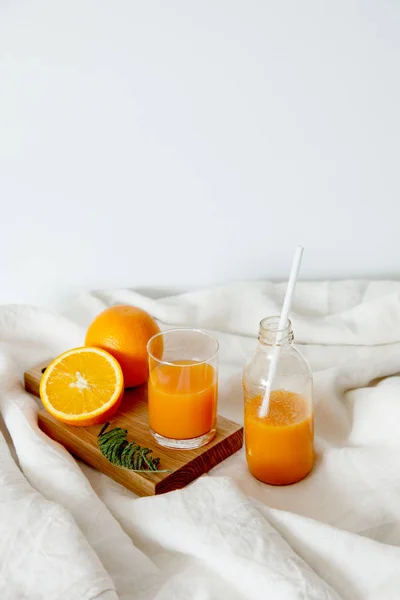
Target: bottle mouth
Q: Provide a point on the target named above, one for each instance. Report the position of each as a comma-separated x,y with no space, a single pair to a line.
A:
270,333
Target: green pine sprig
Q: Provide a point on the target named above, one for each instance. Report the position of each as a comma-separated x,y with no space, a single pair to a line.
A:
116,449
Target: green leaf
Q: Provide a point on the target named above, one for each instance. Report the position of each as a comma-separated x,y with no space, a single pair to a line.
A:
114,446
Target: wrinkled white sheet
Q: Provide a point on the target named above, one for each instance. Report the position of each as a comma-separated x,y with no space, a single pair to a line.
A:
68,533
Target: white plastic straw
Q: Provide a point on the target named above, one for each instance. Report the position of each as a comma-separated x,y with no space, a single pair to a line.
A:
281,327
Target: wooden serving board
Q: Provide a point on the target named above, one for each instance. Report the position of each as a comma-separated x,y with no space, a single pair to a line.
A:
184,465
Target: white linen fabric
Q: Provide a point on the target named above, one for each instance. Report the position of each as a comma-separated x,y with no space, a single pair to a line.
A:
68,532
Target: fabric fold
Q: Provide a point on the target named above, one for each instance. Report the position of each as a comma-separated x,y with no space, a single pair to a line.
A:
70,533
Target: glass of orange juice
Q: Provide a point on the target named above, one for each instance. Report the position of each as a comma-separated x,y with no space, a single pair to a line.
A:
183,387
279,446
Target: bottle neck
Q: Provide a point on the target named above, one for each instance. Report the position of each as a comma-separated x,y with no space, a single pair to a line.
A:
270,334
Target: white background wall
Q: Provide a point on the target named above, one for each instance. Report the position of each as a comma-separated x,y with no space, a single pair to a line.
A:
177,144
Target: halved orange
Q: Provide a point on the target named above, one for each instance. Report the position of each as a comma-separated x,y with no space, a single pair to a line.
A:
83,386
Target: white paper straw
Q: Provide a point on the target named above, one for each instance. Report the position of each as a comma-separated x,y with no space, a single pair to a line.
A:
281,327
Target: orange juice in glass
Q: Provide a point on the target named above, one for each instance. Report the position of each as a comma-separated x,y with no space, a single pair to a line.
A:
183,388
280,445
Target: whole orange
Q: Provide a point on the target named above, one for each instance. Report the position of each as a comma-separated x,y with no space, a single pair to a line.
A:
124,332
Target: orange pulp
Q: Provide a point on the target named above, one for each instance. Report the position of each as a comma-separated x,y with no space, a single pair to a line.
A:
280,446
182,399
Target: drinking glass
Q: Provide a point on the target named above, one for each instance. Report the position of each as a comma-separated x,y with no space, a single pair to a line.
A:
183,387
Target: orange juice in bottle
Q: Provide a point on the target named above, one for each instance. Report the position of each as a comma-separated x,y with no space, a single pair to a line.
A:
280,445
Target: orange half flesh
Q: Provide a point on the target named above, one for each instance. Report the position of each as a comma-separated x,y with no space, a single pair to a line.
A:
83,386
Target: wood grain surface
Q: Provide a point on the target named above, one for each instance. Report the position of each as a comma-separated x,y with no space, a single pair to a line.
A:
184,465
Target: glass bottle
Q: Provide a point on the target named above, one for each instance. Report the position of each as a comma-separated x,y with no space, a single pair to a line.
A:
279,446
